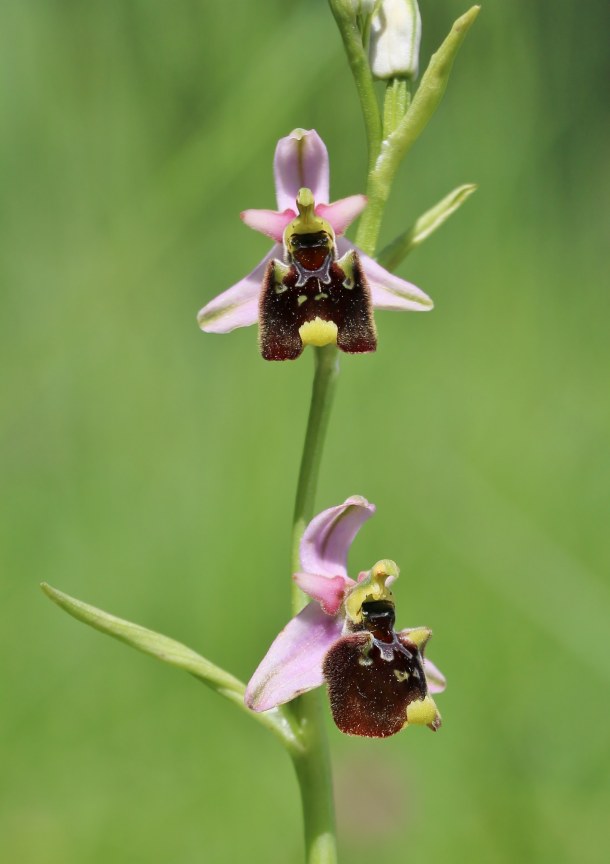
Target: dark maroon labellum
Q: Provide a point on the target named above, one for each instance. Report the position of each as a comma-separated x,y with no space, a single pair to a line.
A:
373,674
314,285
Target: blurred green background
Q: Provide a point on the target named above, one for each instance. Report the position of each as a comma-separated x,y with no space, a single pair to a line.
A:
149,468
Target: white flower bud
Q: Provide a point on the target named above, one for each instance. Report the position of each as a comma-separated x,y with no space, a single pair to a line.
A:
395,38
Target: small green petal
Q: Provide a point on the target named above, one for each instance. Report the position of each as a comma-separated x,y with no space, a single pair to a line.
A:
434,80
424,226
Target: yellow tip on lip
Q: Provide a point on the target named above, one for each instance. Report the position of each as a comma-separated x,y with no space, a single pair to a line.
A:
423,712
318,333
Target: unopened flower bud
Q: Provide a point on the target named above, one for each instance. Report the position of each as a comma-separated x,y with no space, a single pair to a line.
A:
395,38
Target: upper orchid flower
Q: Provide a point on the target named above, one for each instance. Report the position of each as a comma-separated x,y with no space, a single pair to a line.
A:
314,287
378,679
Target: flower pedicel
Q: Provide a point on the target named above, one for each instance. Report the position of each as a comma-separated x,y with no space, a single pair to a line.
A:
378,679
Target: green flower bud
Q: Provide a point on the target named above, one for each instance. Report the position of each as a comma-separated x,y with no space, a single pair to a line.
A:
353,8
395,38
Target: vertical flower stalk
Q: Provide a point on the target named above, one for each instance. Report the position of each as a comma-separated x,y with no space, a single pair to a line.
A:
312,765
322,393
313,771
353,20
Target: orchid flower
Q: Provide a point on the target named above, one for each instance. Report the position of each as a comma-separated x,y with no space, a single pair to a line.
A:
378,680
314,286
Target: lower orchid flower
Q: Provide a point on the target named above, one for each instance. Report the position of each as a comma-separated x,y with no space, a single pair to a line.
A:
314,287
378,679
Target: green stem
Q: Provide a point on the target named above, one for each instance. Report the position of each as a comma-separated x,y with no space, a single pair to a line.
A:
313,770
325,378
361,70
312,761
395,104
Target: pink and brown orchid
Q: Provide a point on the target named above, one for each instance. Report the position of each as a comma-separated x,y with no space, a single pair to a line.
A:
378,679
314,286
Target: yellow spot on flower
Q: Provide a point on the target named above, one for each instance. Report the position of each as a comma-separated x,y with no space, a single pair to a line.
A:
318,333
423,712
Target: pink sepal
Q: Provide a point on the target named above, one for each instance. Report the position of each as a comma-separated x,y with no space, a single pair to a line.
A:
301,159
293,664
435,678
238,305
329,535
389,291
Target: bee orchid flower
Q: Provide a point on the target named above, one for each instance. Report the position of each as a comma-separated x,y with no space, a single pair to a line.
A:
378,679
314,287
